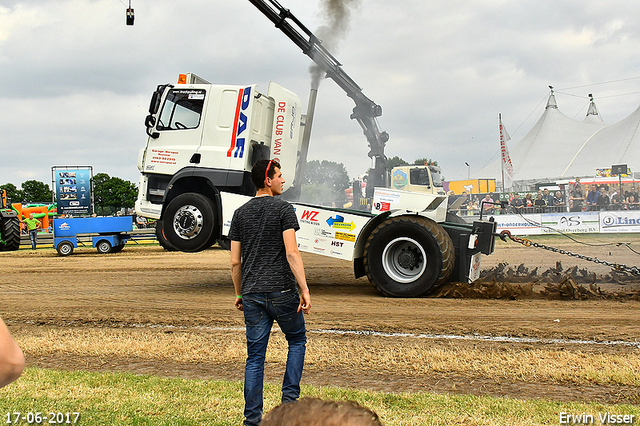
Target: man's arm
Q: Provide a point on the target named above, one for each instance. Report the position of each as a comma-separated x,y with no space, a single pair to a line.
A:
11,357
236,271
295,262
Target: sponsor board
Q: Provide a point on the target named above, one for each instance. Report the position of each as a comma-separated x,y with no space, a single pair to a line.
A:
327,232
345,236
578,222
518,225
621,221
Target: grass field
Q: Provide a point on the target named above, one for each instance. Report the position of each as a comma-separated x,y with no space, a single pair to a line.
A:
127,399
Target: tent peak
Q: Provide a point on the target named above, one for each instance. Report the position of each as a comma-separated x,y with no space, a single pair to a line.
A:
592,111
551,103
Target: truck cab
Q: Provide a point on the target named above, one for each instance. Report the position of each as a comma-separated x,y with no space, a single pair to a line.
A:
204,138
425,179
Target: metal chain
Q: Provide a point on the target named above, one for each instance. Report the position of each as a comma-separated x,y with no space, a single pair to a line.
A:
634,270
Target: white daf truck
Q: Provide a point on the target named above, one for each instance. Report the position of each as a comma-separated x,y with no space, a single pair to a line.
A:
195,172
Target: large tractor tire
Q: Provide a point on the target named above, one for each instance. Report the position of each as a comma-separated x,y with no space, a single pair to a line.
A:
189,222
10,233
162,239
408,256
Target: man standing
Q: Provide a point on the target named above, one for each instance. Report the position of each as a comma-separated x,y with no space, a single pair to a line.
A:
265,266
32,226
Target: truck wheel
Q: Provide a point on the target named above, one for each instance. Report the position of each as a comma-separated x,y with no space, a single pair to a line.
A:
162,240
189,222
65,248
117,249
10,230
103,247
408,256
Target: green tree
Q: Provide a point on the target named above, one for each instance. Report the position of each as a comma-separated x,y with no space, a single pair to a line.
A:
34,191
395,162
100,191
423,161
113,193
328,174
13,193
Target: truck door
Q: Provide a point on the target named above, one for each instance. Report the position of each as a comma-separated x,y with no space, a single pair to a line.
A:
178,130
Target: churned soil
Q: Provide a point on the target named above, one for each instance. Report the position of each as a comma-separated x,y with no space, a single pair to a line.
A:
178,309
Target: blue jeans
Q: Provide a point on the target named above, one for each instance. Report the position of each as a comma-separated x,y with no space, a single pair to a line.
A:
33,236
260,309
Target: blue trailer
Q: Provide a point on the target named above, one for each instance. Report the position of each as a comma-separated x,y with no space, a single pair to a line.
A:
108,234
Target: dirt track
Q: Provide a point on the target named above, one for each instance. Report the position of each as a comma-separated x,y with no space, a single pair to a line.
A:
144,292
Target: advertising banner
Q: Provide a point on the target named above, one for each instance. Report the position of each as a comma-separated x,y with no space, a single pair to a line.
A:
73,190
518,225
569,222
620,221
328,232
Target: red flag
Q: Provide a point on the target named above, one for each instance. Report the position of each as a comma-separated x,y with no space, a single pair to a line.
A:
507,167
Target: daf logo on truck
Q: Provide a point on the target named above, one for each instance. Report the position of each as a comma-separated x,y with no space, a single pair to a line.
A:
240,124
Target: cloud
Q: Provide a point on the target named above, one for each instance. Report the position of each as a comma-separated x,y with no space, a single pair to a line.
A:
77,80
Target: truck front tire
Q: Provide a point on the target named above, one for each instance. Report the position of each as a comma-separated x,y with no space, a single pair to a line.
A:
189,222
408,256
162,239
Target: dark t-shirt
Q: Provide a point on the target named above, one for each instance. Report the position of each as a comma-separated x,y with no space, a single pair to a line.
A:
258,226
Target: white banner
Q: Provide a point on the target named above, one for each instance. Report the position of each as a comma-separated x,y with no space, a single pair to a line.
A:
518,225
569,223
620,221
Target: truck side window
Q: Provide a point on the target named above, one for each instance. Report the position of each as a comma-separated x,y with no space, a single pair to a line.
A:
436,176
182,109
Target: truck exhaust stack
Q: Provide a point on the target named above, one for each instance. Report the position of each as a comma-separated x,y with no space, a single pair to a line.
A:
304,147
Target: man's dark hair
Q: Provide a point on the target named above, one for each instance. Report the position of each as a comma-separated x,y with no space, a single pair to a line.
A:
261,170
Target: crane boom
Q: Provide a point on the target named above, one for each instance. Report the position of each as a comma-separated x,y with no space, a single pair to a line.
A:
365,111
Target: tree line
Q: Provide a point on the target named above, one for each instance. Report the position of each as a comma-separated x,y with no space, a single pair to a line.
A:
110,194
324,183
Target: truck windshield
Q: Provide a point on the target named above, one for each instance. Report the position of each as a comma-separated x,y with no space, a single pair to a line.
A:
419,176
182,109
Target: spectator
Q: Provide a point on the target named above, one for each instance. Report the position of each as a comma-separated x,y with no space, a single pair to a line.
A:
558,199
265,267
547,197
528,202
576,198
487,204
32,227
11,357
592,197
603,201
539,203
316,412
614,198
516,202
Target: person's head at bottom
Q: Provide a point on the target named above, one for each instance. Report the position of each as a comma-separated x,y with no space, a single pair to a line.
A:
318,412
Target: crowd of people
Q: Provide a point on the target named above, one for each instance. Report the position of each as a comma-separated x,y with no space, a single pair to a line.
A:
575,198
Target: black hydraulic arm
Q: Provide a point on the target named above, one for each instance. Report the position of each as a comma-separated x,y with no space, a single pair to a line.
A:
365,111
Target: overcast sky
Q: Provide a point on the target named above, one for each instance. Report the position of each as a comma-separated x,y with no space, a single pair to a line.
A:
76,81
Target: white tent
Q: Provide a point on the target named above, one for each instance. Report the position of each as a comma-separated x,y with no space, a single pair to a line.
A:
559,147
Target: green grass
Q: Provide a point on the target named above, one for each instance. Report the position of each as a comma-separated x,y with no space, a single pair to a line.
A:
128,399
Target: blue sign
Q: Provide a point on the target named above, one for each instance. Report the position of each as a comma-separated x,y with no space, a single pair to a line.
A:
73,191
